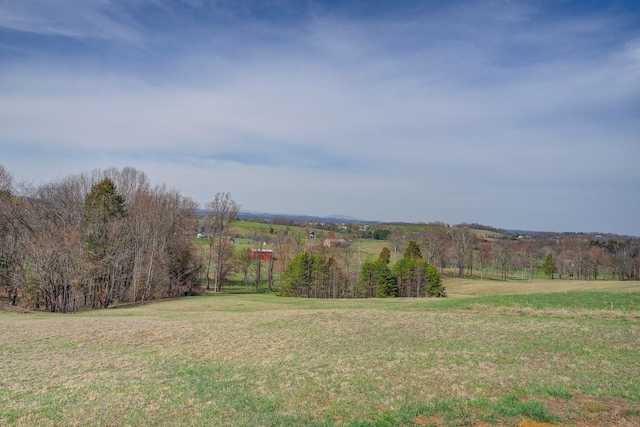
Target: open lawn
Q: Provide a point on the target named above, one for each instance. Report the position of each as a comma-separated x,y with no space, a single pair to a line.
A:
467,287
556,357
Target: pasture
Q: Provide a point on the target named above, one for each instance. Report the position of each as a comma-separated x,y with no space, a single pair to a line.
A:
494,353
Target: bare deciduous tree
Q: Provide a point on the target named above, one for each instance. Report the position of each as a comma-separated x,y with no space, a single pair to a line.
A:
397,239
222,211
503,254
435,241
77,243
463,240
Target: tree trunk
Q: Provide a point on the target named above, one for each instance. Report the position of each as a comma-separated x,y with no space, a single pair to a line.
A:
270,286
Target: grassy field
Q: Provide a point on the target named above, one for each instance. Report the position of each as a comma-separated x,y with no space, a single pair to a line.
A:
510,354
468,287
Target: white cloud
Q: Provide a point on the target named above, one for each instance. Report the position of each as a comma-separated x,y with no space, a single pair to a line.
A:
384,119
101,19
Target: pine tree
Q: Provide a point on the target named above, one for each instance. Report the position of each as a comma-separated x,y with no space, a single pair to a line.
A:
385,255
377,280
102,206
549,265
435,288
385,280
413,251
416,277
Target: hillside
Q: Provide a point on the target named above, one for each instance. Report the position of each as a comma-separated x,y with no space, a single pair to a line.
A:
237,360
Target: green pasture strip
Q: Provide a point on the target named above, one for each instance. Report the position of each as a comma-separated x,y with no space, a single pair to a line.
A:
371,248
248,228
574,300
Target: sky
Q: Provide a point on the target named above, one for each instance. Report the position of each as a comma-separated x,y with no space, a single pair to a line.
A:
514,114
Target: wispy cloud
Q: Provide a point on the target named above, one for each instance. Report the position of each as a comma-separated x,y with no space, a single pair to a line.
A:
101,19
465,111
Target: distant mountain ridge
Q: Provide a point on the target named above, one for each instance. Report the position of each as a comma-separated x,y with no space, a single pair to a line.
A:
345,219
336,218
267,216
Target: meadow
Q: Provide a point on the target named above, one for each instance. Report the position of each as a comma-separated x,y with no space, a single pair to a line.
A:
494,353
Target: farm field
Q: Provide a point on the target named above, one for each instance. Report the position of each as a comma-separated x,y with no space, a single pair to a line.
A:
562,353
467,287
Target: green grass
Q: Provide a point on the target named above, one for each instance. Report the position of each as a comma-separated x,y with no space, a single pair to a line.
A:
579,303
568,300
245,231
258,359
249,229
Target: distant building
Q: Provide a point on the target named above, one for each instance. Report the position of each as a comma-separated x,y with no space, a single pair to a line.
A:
262,254
334,243
205,235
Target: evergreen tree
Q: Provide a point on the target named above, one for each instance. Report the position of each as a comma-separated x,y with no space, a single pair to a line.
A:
413,251
306,276
385,255
377,280
103,206
367,278
386,281
434,287
297,276
416,277
103,202
549,265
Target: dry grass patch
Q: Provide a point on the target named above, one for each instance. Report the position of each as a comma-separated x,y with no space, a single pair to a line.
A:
529,423
557,312
469,287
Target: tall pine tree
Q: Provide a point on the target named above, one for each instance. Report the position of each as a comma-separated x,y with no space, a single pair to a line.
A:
549,265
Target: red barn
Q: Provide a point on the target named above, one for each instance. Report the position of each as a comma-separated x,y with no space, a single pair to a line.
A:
263,254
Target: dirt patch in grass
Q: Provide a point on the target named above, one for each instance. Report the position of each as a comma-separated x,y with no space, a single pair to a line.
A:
587,411
579,411
529,423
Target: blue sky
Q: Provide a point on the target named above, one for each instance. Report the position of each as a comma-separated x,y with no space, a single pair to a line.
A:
508,113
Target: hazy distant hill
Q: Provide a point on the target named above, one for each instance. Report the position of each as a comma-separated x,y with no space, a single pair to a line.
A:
248,215
257,216
345,219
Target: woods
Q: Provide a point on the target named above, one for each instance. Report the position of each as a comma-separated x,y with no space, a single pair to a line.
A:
92,240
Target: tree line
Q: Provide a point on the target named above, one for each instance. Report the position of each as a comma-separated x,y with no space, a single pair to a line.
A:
564,256
469,250
316,274
95,239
